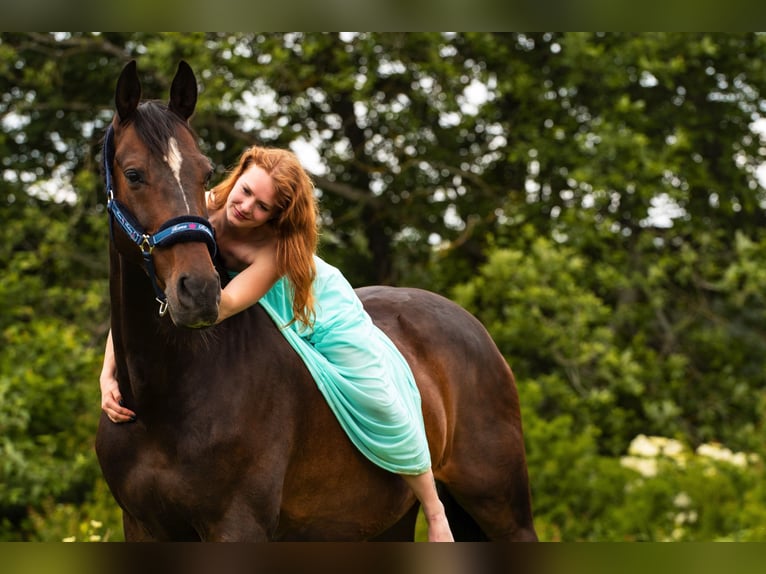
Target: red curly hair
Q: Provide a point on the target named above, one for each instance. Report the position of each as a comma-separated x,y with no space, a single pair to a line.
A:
295,223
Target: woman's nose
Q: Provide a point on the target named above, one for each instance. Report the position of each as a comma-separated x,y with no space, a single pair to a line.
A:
247,204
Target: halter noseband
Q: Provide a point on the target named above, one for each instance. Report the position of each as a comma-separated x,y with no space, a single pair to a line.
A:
175,230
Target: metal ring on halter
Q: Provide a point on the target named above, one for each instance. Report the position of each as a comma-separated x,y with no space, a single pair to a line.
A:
163,306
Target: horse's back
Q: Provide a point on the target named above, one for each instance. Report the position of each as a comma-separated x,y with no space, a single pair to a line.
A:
425,318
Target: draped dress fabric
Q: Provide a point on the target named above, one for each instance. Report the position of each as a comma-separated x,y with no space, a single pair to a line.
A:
361,374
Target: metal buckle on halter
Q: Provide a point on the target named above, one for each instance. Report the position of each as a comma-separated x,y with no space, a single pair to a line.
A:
146,246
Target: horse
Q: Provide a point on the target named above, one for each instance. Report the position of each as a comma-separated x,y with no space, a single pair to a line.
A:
233,441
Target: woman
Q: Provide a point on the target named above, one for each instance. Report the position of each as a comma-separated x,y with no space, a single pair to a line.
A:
265,217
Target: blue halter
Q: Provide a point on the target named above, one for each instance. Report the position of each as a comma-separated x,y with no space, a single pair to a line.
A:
175,230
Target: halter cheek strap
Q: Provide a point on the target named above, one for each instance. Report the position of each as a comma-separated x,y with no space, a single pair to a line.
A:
176,230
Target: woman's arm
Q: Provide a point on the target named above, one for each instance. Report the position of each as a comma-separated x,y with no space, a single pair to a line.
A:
111,398
248,287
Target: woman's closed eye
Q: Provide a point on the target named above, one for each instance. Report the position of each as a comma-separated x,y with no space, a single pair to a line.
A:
259,204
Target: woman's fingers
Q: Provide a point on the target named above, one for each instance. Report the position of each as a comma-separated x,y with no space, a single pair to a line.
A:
116,413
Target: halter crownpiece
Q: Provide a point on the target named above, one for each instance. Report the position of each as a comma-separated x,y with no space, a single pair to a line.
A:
176,230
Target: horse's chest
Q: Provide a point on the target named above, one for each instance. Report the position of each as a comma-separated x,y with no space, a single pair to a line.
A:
170,484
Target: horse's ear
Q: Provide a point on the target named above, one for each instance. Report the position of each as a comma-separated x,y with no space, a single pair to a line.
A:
183,91
128,92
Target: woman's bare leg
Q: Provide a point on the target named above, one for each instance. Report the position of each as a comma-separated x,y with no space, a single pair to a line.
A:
424,487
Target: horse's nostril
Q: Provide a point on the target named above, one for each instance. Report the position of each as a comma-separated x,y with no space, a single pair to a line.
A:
195,291
185,288
189,285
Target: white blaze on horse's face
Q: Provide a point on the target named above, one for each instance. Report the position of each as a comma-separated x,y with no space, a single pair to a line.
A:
174,161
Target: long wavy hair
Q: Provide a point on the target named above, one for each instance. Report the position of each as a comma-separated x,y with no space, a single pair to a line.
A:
295,221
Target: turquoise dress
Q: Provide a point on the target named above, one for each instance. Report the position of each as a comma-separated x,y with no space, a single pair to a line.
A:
362,375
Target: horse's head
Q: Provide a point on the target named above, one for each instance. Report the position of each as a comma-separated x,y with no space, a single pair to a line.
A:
156,178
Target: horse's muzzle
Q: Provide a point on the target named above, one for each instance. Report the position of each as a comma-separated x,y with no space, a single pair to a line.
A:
193,299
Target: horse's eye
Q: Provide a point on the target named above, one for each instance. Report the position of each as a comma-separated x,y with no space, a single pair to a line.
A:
133,176
208,178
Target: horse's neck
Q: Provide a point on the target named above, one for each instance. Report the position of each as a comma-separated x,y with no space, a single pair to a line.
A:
148,348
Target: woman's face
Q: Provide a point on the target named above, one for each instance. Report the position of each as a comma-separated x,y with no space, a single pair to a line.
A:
251,202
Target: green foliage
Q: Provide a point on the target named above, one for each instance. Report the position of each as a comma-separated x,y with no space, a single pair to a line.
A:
536,304
48,395
571,484
95,519
686,496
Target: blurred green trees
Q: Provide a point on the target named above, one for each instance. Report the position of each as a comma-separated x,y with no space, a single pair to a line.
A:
594,199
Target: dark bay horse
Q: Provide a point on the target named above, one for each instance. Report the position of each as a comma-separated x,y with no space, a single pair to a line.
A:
233,440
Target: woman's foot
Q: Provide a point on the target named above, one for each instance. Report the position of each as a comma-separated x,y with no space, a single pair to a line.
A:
438,527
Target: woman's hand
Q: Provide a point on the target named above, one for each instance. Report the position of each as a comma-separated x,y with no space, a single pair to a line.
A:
111,401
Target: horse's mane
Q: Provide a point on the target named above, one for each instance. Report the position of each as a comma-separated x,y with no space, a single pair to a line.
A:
155,125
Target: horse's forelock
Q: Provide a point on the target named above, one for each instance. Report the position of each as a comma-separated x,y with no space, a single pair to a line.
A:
155,124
